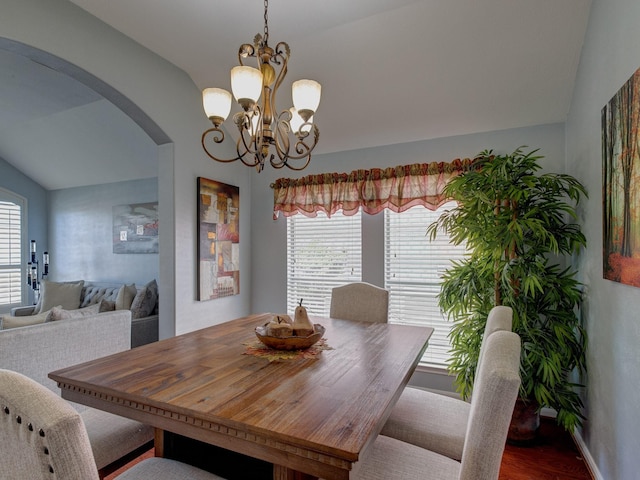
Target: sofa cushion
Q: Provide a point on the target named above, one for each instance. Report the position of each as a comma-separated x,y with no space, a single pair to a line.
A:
59,293
145,301
9,321
125,296
107,305
92,294
57,313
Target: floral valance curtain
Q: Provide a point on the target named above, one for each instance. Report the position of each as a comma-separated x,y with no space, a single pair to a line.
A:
396,188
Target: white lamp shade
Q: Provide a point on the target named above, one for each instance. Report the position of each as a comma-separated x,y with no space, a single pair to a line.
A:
216,102
246,83
306,95
297,121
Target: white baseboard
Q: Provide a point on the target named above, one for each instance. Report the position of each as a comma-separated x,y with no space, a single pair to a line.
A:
584,451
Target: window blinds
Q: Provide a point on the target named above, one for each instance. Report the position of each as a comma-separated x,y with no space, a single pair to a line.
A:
322,253
413,267
10,253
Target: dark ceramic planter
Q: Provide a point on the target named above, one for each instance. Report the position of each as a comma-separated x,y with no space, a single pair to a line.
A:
525,423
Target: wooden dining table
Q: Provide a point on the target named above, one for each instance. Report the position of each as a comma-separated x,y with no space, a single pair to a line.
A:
305,414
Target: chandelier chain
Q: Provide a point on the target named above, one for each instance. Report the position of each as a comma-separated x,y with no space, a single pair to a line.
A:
266,22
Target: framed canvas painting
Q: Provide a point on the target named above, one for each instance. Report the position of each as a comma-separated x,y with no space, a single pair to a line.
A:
620,184
135,228
218,239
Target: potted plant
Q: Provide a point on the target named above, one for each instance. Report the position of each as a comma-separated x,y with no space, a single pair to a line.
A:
518,226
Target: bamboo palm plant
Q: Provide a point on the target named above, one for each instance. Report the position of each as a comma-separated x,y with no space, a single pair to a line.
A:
518,225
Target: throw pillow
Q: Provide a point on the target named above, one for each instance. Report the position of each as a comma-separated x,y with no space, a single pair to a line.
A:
145,301
9,321
125,296
107,305
58,313
58,293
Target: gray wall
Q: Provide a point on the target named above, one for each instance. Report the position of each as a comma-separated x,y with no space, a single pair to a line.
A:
609,58
15,181
81,234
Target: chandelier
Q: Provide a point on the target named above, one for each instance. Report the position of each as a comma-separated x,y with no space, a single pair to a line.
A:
281,137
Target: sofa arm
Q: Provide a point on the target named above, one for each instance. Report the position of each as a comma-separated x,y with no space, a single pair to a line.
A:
144,330
23,311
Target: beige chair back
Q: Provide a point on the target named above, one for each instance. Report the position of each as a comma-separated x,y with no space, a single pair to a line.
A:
360,302
495,393
41,435
500,318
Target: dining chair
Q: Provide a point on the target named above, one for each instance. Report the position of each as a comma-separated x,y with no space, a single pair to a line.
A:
435,421
360,302
42,437
496,389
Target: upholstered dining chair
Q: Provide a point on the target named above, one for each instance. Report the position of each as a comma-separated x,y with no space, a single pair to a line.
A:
492,405
42,437
435,421
360,302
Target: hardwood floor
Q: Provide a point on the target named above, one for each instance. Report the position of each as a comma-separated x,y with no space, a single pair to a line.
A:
554,457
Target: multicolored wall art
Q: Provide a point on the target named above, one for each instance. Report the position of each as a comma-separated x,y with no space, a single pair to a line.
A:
219,239
621,184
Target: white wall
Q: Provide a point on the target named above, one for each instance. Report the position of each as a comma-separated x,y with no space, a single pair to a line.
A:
609,58
268,270
169,97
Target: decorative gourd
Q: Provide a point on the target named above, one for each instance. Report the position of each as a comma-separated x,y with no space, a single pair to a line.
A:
302,326
280,326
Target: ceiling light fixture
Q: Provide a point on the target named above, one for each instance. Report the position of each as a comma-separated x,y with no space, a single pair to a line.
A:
291,133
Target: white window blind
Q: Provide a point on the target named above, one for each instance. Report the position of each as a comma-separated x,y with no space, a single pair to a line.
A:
413,267
10,254
322,253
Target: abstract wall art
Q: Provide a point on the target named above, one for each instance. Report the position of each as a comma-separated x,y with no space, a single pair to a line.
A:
218,239
135,228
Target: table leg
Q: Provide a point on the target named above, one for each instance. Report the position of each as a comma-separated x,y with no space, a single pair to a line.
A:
158,442
284,473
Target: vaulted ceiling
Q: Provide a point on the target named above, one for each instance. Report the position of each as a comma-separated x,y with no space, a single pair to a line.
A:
392,71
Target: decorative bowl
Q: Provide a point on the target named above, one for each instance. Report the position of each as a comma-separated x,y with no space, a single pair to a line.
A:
289,343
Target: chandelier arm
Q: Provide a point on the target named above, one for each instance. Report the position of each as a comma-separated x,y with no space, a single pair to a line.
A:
302,148
245,50
286,163
283,129
216,140
243,122
283,69
251,144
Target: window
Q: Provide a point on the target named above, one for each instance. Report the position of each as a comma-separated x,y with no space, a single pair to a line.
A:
11,228
412,271
322,253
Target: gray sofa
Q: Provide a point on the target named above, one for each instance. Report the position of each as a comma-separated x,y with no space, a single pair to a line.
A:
36,350
142,301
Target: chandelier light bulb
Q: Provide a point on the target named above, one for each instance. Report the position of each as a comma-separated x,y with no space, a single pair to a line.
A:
246,83
297,121
254,124
306,97
216,103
